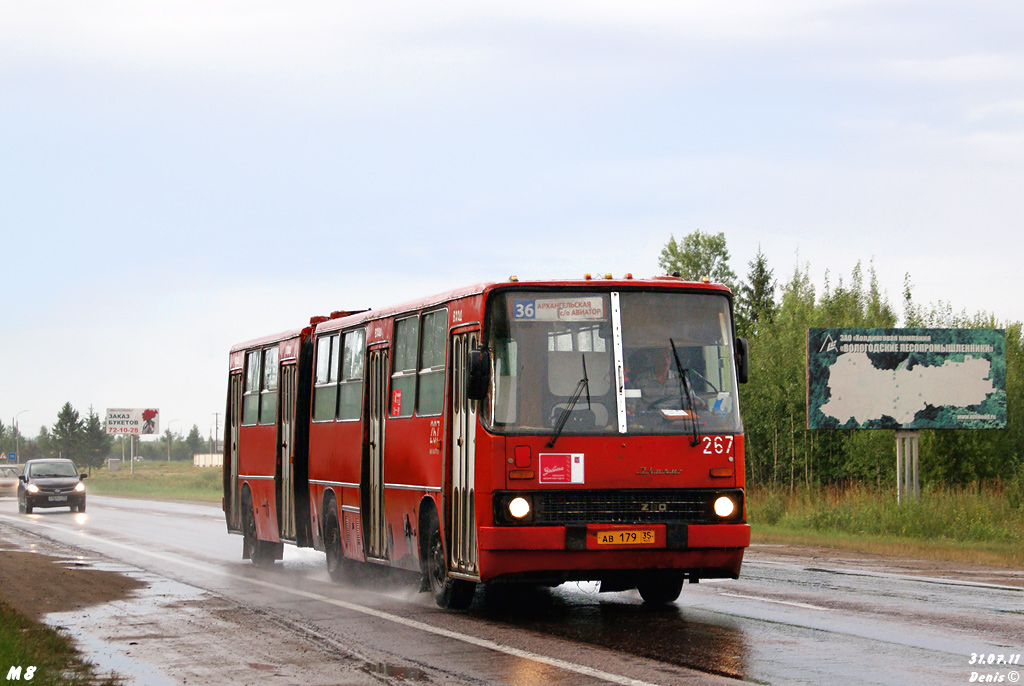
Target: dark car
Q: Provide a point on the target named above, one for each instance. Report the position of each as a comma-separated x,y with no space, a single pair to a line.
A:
51,483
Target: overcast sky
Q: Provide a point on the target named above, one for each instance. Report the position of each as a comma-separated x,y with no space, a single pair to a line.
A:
176,177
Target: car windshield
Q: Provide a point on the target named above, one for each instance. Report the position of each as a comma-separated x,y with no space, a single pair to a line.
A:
560,353
49,470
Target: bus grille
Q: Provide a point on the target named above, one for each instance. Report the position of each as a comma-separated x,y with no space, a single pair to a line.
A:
560,508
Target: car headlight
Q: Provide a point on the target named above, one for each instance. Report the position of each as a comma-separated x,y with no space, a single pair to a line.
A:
724,506
79,487
519,507
32,488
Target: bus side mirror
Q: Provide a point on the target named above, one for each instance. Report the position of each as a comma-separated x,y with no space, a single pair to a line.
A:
742,360
479,374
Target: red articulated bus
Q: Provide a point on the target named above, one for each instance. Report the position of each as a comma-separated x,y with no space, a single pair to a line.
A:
540,431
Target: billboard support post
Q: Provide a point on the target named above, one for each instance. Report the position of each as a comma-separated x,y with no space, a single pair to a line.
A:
906,465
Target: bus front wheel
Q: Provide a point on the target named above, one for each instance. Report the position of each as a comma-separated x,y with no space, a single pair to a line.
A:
449,594
661,587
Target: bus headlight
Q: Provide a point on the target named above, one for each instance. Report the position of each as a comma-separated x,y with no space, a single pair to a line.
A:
519,507
724,506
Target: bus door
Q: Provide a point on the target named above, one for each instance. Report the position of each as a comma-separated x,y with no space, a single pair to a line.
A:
234,419
462,551
288,389
373,505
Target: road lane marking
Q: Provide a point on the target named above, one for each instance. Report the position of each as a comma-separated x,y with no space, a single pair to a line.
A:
884,575
379,614
806,606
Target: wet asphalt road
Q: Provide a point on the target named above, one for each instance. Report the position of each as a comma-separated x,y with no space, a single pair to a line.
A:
788,620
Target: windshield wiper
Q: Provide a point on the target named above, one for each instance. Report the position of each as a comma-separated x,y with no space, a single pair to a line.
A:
584,384
684,391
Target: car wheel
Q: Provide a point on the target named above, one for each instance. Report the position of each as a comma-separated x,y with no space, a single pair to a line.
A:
81,507
21,506
449,594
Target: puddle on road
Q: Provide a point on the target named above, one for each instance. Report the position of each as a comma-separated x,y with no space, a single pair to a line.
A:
394,673
169,632
93,627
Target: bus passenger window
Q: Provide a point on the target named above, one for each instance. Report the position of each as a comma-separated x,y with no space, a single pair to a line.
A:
350,403
325,395
251,399
430,400
268,401
403,376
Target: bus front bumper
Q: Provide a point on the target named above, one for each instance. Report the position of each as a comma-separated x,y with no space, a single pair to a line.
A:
702,550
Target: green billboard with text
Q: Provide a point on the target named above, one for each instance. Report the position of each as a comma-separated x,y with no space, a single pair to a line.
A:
906,379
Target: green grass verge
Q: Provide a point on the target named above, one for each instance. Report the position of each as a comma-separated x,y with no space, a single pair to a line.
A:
983,525
49,654
159,480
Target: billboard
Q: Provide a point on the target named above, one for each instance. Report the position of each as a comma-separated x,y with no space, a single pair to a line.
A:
906,379
138,421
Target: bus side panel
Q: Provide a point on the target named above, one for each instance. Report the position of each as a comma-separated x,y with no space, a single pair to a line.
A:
335,455
257,466
412,466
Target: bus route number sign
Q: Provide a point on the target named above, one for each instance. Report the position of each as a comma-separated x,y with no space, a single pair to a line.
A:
582,308
524,309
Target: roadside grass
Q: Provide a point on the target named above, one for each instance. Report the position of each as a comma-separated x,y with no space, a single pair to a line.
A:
972,524
25,643
159,480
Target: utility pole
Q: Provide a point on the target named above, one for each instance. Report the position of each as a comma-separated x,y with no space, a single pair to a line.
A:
170,438
17,454
216,432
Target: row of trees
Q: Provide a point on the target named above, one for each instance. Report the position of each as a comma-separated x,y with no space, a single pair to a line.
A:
775,316
84,440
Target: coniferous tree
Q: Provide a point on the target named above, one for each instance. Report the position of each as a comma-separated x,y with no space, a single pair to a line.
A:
96,444
194,440
755,300
67,433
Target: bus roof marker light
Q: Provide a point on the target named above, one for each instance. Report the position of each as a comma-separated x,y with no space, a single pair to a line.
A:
608,276
514,278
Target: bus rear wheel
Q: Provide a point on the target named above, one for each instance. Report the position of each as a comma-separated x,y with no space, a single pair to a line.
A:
449,594
340,568
661,587
260,552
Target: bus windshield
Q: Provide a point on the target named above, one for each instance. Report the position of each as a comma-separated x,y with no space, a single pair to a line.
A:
601,363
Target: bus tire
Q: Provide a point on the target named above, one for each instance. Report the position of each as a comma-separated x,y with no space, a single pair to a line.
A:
338,566
449,594
661,587
261,553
